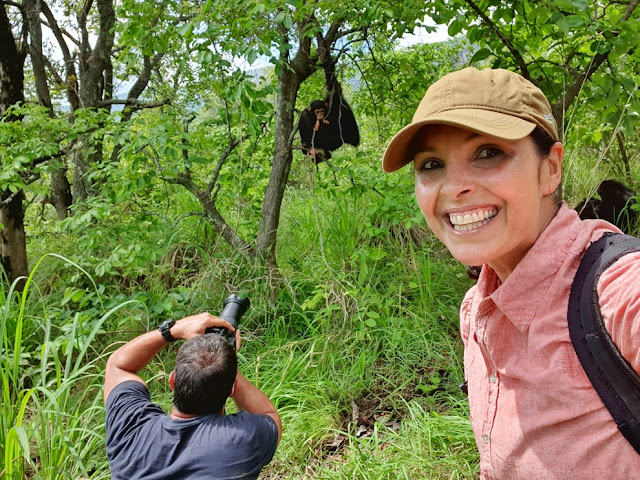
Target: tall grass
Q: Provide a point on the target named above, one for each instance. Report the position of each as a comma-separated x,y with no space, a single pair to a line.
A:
51,418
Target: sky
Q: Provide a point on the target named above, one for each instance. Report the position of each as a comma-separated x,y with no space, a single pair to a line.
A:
420,35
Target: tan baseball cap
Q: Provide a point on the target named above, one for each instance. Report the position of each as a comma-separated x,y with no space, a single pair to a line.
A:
493,102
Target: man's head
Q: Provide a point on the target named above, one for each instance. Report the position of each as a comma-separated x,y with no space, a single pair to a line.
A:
204,374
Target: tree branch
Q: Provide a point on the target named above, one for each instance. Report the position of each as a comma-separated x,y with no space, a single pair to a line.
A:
230,147
133,102
522,65
579,80
59,33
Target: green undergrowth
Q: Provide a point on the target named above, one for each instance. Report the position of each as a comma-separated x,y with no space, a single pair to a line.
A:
354,338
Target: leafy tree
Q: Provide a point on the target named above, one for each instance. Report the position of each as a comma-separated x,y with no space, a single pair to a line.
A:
299,39
73,81
12,57
563,46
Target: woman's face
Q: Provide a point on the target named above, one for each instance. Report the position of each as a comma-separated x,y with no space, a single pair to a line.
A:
485,198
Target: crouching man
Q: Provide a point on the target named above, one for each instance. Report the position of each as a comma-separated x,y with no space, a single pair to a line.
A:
197,440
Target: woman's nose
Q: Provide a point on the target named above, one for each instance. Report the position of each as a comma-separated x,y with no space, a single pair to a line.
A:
457,183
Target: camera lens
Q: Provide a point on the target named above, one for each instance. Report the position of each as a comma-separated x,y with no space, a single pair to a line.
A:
233,309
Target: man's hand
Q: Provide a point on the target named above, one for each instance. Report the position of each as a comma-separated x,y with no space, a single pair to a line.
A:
133,356
195,325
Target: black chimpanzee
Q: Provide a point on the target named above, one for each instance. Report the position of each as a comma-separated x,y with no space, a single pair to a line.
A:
328,124
613,206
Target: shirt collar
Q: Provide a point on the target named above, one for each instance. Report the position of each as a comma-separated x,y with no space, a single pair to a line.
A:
524,291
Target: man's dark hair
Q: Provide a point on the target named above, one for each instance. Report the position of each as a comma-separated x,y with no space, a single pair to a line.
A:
205,370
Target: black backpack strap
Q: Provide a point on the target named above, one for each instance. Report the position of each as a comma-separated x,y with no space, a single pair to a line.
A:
616,382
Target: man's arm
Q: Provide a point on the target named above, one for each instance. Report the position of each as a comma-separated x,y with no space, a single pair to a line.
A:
248,397
133,356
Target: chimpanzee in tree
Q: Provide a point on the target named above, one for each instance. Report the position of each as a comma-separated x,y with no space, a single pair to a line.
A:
328,124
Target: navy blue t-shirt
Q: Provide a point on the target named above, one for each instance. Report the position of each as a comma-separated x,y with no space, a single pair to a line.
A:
143,442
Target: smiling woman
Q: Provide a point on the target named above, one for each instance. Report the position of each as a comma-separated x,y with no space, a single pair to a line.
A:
484,197
488,168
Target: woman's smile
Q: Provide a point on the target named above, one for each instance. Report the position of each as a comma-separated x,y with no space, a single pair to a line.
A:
471,221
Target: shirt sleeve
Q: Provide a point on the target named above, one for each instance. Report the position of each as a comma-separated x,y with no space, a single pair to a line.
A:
267,433
619,294
127,406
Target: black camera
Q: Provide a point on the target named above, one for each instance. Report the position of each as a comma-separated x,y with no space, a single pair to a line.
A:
233,309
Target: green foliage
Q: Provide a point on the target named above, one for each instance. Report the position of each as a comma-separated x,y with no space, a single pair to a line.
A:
394,81
557,43
25,143
51,416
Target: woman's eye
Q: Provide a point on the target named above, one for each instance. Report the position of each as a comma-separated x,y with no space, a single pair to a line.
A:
430,164
489,152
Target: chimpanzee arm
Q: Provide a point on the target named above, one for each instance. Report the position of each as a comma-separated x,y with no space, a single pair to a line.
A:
305,125
342,121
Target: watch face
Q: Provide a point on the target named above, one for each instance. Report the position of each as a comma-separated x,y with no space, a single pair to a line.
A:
167,324
164,330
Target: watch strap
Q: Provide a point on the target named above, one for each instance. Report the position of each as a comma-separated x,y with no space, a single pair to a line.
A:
165,330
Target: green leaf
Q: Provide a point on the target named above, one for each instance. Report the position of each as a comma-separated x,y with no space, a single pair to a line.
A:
186,29
480,55
370,322
563,24
575,21
455,27
251,57
287,21
579,4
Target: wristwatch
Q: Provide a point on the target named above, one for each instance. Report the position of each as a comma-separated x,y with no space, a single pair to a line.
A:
165,330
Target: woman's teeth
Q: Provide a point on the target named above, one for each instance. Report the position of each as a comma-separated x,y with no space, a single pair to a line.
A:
471,221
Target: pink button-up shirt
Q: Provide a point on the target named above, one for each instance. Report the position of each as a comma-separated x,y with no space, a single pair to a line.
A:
534,412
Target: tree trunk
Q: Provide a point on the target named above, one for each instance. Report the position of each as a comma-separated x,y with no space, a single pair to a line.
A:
14,248
61,192
95,66
60,186
288,85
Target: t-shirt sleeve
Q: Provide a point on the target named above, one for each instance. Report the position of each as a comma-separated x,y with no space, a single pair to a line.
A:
619,294
265,436
128,405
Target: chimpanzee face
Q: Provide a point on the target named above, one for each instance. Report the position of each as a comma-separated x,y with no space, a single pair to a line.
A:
318,107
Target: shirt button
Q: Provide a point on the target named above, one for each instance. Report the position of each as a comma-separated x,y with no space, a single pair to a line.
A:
485,438
493,378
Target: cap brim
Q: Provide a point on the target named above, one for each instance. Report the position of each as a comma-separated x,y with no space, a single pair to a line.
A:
487,122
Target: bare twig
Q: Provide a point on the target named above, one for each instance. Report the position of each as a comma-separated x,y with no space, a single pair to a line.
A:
230,147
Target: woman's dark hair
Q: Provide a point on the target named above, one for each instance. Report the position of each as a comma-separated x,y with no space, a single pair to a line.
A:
473,272
205,370
543,142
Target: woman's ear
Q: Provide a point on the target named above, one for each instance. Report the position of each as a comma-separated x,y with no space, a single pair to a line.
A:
552,171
